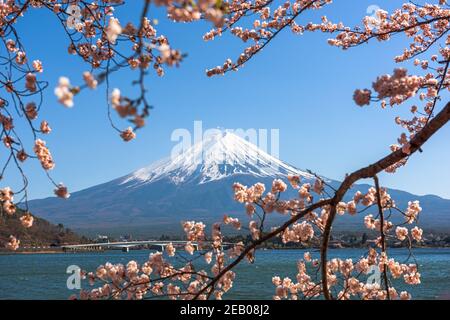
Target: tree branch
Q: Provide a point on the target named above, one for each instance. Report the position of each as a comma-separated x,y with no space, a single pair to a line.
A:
369,172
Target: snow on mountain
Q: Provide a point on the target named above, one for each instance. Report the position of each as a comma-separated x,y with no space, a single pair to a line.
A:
218,156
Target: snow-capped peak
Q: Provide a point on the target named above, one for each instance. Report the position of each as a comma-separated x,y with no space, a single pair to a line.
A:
217,156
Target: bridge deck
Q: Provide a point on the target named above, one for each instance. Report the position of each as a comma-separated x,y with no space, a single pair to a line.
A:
134,244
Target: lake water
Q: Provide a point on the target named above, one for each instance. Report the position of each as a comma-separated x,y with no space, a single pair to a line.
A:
43,276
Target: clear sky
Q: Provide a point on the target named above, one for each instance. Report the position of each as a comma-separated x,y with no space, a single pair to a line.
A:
299,85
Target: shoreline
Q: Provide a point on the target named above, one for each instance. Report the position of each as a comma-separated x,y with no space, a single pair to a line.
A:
31,252
262,249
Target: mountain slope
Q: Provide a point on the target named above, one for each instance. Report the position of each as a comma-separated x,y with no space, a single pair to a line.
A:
41,233
196,185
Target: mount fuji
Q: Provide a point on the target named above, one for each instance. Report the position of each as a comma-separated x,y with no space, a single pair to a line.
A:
195,185
218,156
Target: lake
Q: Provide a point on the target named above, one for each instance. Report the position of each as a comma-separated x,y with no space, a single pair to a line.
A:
43,276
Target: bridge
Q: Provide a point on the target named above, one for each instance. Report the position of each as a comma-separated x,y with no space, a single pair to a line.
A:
126,245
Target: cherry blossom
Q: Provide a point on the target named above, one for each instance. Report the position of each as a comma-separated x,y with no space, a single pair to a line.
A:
13,243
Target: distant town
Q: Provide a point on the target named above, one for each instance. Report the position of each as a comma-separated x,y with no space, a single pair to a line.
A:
128,242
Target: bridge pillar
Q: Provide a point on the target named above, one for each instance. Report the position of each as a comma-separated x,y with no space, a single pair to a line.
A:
125,249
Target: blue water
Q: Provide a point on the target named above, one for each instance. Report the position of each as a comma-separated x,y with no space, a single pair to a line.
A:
43,276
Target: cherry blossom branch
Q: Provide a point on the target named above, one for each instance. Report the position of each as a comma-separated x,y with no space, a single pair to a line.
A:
370,171
261,240
382,234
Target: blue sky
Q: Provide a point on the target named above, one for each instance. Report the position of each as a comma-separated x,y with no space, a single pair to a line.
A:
298,84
